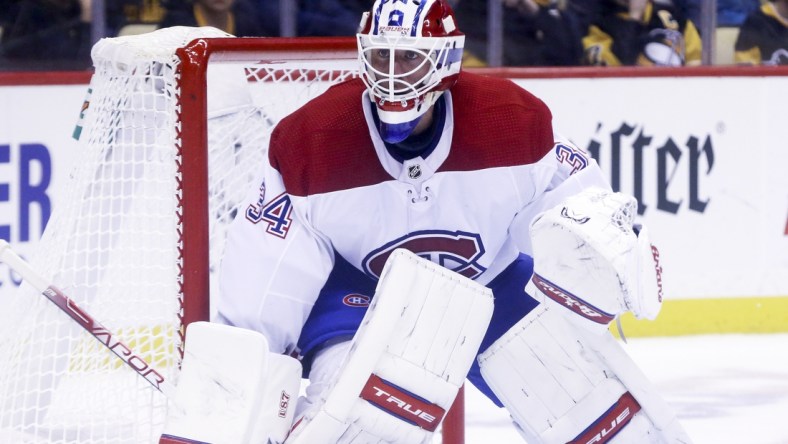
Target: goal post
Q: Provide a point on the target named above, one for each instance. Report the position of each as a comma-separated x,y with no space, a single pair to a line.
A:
171,137
312,64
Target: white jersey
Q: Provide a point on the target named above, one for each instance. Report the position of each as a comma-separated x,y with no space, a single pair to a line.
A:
332,187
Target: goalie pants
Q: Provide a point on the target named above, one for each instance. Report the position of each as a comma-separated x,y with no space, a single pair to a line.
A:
344,299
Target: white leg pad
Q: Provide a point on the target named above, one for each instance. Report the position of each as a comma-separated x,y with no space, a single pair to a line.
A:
407,361
659,412
231,390
558,388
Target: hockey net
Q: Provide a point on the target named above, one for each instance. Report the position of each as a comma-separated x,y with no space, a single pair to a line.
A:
172,136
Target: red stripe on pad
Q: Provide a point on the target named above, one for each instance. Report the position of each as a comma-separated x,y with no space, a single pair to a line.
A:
570,301
610,423
170,439
400,403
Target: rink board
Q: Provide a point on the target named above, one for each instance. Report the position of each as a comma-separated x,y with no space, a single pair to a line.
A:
705,156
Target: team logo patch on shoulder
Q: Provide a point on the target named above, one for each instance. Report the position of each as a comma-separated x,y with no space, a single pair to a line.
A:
356,300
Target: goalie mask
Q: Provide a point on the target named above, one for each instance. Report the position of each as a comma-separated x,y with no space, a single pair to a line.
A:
410,51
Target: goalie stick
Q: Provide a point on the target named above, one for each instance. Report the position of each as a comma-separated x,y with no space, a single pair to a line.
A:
223,365
85,320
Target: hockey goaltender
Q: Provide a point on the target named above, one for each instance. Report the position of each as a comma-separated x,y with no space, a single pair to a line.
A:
415,228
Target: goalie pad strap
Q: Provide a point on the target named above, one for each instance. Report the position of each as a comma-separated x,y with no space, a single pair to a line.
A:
169,439
611,422
406,362
403,404
570,301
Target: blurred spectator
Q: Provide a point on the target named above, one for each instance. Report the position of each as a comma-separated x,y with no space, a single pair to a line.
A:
763,38
729,12
142,11
641,32
317,18
8,14
536,32
331,17
47,34
585,12
236,17
132,12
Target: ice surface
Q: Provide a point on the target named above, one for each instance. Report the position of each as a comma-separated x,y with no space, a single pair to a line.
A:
725,389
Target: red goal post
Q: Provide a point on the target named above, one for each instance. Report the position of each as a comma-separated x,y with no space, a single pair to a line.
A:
263,60
172,133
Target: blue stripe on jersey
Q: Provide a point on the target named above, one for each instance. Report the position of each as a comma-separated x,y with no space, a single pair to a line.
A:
332,320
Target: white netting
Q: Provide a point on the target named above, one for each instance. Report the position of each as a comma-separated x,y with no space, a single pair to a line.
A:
114,245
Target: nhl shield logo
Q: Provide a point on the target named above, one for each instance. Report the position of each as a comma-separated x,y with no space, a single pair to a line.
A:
414,171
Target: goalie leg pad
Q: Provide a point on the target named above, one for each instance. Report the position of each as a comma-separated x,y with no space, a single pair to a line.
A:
231,389
406,362
559,387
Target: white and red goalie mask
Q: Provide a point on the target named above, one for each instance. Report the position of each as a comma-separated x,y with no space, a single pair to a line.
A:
410,51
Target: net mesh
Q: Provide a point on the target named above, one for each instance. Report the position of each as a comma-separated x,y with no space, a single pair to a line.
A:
114,243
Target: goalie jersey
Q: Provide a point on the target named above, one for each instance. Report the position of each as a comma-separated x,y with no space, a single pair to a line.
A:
334,201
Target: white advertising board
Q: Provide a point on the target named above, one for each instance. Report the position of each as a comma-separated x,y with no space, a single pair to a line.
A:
36,151
706,157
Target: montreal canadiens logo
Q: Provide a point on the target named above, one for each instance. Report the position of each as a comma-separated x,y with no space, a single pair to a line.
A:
458,251
356,300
